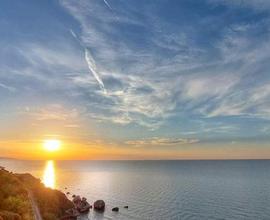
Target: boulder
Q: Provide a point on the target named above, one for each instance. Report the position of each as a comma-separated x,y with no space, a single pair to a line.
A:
126,207
115,209
99,205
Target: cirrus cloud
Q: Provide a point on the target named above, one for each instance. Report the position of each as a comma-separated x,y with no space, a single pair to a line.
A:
158,141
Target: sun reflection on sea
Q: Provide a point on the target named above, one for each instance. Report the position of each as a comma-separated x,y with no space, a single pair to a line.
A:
49,175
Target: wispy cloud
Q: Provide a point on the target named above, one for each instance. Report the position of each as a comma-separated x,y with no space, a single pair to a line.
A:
175,74
9,88
72,126
253,103
158,141
52,112
257,4
153,69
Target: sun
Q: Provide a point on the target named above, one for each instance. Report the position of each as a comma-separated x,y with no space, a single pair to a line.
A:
52,145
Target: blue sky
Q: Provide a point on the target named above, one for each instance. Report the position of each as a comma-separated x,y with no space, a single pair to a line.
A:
137,73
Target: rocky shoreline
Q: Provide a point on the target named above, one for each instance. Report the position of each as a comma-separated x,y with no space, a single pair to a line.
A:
15,199
81,207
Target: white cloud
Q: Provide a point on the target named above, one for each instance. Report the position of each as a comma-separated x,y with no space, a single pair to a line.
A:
173,76
9,88
210,87
51,112
256,4
158,141
253,103
214,85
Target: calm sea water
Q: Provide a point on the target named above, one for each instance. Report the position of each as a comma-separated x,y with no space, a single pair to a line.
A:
161,190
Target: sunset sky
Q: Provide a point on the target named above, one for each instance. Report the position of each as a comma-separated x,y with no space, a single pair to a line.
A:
135,79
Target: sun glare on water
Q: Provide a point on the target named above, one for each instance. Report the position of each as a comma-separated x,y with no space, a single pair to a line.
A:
49,175
51,145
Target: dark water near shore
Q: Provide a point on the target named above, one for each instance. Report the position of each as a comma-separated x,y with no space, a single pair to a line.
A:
161,190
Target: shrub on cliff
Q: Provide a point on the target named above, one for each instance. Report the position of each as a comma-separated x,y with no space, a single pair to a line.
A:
52,203
6,215
14,202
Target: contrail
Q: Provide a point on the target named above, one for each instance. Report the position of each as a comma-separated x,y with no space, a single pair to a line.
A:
73,34
76,37
90,62
93,68
105,1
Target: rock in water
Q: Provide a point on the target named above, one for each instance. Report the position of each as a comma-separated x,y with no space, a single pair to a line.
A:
99,205
126,207
115,209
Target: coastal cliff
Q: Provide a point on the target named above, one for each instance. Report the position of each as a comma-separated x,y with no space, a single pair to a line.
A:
16,192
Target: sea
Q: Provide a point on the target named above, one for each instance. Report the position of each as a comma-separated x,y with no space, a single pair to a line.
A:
161,190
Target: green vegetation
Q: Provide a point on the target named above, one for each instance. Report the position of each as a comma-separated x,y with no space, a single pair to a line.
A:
15,203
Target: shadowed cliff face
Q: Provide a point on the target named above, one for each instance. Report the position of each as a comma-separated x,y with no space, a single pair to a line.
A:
15,203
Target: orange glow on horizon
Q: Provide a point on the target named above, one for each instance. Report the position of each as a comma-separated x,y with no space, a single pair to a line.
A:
78,149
